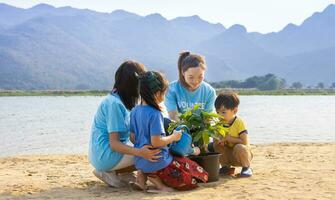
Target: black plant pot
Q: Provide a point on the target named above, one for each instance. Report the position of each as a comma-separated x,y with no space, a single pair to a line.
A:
210,163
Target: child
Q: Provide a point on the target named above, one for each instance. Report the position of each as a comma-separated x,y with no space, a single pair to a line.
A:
234,147
147,128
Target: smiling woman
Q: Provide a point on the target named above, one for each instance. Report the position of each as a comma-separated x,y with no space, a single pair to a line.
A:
190,89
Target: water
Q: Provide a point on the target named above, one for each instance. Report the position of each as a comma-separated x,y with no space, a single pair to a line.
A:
48,125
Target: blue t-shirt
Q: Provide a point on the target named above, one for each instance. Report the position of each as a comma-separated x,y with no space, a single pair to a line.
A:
111,116
180,99
146,121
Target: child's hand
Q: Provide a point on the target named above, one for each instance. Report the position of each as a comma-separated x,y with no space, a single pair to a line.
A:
196,151
176,135
222,142
227,138
204,146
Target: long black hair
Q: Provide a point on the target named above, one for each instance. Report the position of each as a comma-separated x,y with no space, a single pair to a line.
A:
126,82
152,82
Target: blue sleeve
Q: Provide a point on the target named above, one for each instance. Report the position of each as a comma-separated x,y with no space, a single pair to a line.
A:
115,117
209,105
156,126
171,100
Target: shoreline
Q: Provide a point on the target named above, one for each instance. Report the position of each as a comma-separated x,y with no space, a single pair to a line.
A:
253,145
281,171
242,92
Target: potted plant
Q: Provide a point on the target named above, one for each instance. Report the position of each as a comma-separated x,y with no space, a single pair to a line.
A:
203,126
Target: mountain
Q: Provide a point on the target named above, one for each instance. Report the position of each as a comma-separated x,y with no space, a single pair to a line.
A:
71,48
308,66
58,61
236,49
315,33
45,47
123,15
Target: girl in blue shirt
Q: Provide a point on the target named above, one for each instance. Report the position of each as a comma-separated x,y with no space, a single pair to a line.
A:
190,89
147,128
110,149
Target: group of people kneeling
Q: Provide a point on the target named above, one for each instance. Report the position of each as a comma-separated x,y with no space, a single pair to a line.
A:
128,128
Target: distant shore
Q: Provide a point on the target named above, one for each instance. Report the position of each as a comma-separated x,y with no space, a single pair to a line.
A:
281,171
284,92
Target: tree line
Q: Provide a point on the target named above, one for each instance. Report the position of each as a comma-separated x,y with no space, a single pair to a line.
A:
267,82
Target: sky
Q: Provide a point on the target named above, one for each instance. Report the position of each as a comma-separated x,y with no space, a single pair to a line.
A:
263,16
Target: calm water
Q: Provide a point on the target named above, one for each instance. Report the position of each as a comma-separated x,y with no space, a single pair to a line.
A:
45,125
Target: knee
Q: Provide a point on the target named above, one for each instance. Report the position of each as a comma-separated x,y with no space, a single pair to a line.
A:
241,148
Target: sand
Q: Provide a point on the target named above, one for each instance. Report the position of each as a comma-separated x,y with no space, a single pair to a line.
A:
281,171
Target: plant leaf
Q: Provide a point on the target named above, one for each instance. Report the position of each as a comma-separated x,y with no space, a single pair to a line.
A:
197,136
205,138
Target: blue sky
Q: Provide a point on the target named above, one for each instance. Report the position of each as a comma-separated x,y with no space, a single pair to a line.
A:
256,15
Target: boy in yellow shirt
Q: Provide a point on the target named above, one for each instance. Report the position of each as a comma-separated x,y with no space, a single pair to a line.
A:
235,146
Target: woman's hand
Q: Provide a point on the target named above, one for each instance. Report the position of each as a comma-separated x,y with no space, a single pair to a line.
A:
150,154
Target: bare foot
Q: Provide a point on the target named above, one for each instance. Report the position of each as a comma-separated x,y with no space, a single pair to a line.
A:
167,189
161,187
141,180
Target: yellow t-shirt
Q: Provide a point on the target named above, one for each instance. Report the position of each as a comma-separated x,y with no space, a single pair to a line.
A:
236,128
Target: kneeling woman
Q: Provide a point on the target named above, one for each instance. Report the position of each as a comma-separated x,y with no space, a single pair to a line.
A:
110,150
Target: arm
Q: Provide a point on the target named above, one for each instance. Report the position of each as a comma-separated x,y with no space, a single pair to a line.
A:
159,141
173,115
145,152
243,139
118,146
242,136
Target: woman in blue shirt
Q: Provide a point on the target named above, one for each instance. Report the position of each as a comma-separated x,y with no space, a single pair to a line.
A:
110,149
191,88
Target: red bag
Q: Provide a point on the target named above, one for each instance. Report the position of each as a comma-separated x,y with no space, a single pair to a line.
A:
182,174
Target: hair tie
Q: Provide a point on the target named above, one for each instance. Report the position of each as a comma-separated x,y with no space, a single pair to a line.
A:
152,80
136,75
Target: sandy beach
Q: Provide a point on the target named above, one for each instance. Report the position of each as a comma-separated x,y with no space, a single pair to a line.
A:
281,171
